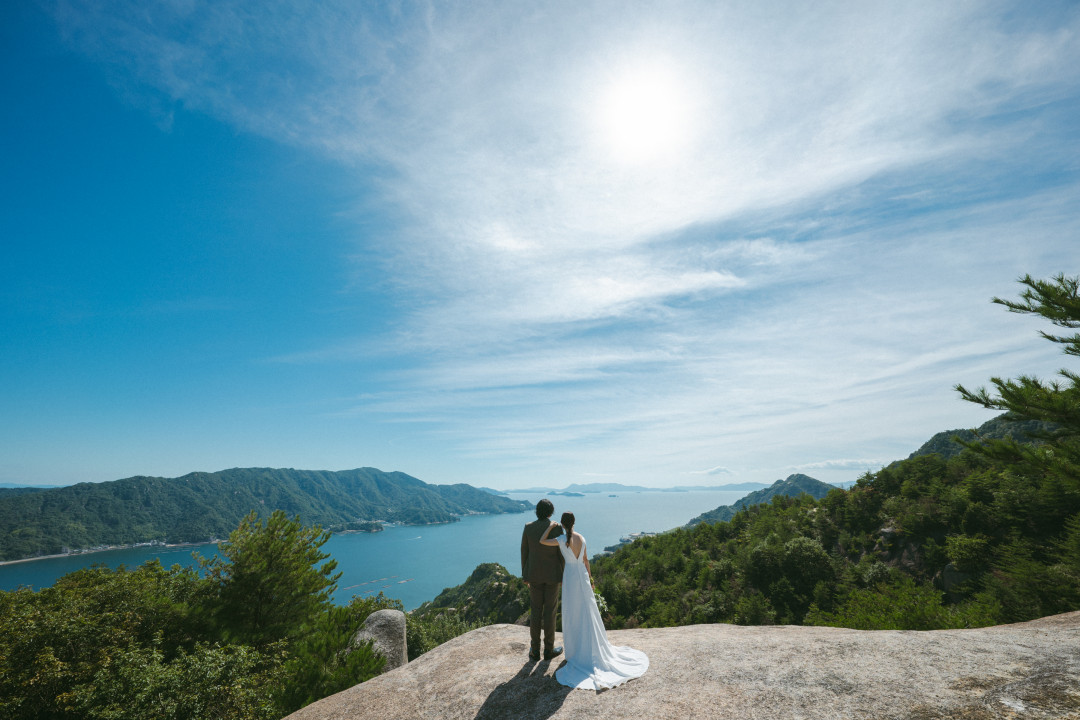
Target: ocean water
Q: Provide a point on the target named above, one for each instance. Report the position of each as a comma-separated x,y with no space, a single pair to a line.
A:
414,563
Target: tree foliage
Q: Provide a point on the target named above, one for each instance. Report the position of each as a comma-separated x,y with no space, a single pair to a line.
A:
231,682
255,638
271,584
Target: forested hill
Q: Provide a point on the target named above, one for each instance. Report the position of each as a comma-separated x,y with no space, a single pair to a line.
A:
791,486
204,506
1000,428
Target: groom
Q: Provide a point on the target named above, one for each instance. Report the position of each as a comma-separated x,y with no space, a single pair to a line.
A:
542,568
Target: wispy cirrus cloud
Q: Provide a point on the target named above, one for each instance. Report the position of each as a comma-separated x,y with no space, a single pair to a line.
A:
803,277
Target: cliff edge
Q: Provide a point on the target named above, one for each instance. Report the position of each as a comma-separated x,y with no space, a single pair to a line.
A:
1026,670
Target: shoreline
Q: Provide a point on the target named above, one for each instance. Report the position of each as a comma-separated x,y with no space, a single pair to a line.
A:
90,551
93,551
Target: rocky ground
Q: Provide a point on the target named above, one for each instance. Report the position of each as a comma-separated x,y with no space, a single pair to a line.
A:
1027,670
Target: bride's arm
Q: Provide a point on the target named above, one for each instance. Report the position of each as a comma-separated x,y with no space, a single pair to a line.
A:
544,540
585,559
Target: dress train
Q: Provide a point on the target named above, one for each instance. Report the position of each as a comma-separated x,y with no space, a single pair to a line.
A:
592,662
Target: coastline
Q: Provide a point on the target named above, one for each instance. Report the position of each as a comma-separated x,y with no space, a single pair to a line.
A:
438,556
106,548
383,524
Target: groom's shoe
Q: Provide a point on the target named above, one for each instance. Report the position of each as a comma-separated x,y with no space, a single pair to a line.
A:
534,655
553,652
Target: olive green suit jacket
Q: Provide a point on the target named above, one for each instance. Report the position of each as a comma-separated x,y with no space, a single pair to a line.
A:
540,563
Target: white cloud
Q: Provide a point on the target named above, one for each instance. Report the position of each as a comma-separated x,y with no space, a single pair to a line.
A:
718,470
808,277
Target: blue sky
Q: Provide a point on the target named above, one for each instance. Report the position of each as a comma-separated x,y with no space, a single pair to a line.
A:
514,244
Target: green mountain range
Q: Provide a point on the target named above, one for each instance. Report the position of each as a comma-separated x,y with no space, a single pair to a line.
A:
205,506
792,486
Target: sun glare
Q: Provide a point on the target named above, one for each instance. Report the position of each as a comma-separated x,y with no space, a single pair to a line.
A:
644,116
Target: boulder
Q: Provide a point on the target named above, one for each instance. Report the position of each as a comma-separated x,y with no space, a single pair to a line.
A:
386,630
952,578
1023,671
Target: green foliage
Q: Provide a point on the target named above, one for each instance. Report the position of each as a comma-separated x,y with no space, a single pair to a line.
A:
1057,300
968,554
234,682
54,641
951,443
255,639
490,595
1031,581
753,609
202,507
867,556
271,585
424,633
902,604
1028,398
324,661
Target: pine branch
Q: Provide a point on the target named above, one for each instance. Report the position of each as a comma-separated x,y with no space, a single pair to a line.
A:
1057,300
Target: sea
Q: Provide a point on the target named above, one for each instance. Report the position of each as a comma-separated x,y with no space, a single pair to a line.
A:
414,563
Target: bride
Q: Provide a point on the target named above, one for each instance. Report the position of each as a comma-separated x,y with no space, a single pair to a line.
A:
592,663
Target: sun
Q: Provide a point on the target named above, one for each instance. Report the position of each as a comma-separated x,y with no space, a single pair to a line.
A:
644,115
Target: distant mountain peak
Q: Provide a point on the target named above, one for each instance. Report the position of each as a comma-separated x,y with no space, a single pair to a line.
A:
793,485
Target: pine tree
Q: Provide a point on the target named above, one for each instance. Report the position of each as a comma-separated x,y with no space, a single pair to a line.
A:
1057,300
1029,398
1025,580
272,585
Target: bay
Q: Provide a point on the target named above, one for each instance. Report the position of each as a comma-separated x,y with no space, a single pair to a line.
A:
414,563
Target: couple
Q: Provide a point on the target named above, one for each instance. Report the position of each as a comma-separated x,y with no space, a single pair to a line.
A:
549,557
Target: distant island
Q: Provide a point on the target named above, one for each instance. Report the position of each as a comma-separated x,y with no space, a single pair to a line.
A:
792,486
611,487
203,507
24,486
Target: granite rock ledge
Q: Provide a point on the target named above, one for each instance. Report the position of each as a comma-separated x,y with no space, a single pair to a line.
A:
1027,670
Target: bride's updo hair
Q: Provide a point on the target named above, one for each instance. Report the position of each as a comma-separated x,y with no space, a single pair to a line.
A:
567,521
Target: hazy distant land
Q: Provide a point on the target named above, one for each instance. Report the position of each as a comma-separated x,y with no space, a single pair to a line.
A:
612,487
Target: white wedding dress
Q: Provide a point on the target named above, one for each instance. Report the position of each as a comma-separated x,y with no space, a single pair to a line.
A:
592,663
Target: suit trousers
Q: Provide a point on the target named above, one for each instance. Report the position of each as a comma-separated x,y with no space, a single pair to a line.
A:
544,600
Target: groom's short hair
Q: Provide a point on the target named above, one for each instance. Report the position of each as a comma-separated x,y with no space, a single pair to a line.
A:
544,509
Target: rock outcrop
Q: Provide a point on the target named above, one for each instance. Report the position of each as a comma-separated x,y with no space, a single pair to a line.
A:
1024,670
386,630
1028,670
491,594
